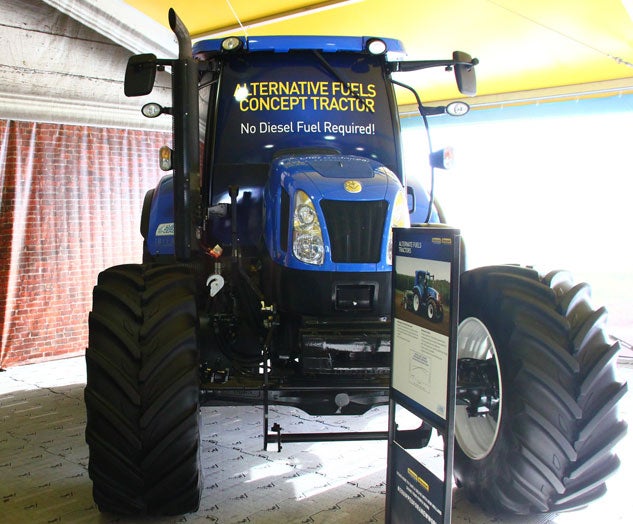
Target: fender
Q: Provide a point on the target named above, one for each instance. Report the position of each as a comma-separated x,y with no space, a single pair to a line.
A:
419,202
160,232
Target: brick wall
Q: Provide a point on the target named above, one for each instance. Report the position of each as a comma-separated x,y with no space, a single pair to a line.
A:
71,200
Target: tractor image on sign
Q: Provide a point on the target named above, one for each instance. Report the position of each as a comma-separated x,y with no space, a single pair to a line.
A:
423,299
267,278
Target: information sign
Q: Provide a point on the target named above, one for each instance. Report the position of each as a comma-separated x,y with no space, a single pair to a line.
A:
423,372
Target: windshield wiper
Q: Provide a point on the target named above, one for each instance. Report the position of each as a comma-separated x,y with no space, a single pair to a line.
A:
337,76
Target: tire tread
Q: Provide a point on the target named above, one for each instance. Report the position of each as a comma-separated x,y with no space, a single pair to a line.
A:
559,420
142,392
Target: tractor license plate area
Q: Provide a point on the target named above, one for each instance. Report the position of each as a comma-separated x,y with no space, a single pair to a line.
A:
354,297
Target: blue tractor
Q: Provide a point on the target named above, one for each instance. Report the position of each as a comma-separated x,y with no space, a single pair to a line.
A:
424,299
266,277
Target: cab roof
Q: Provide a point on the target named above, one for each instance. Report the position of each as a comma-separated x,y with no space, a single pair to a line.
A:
284,44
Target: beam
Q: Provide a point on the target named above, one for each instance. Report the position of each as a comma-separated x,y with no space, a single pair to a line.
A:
549,94
275,18
122,24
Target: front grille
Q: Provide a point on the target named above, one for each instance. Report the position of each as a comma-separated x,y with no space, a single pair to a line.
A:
355,229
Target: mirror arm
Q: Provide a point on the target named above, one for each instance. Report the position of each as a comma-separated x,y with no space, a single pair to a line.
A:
434,110
416,65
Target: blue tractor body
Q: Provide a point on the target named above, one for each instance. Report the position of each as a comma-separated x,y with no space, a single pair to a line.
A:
290,217
281,123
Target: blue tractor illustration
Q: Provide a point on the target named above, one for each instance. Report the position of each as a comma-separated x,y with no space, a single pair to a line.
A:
424,299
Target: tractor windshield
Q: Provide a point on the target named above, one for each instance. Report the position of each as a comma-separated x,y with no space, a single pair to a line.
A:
274,101
271,102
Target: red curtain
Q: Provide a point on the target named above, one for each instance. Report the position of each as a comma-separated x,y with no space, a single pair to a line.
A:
70,207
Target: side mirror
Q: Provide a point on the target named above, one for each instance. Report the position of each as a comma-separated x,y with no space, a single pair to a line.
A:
465,73
140,74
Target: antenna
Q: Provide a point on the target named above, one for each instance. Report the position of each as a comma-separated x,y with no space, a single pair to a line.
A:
228,2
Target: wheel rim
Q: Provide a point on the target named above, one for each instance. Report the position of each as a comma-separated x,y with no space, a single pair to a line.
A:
416,303
430,311
476,436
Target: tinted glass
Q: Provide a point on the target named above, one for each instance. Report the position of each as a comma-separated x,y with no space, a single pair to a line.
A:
271,102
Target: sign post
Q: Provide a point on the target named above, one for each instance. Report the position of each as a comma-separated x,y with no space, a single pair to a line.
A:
425,308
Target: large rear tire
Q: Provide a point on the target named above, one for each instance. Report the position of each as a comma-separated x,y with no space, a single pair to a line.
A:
142,392
548,446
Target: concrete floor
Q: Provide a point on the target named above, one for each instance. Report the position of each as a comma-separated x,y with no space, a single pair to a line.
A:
43,463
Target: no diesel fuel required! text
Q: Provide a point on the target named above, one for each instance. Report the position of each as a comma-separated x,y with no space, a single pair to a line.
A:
307,127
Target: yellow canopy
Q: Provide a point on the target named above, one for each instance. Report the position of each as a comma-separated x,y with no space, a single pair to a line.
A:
527,49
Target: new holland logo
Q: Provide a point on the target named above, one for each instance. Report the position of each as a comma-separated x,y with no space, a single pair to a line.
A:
352,186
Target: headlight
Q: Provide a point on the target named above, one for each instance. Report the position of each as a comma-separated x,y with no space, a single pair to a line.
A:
307,239
399,218
306,215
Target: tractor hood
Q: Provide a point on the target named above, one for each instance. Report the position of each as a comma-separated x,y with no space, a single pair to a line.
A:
335,177
353,199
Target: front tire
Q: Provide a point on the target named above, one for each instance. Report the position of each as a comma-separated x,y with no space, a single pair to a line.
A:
431,310
417,302
142,392
549,445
